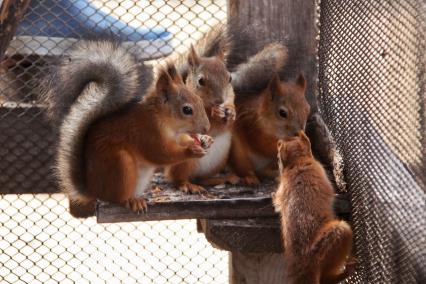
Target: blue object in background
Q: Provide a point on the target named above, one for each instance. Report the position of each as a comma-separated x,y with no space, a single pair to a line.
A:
74,19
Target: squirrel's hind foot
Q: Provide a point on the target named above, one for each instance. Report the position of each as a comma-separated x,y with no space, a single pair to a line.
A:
137,204
191,188
249,180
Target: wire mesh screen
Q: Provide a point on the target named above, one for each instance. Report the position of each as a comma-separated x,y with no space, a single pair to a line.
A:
372,95
39,241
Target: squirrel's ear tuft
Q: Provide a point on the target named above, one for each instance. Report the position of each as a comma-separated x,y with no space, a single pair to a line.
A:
301,81
221,55
274,85
173,73
193,58
304,138
164,83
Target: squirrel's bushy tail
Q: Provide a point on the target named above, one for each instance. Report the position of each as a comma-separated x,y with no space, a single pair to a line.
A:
253,76
215,42
94,79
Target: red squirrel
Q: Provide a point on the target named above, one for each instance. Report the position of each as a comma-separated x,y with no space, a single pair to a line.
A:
317,245
114,132
212,83
279,111
206,72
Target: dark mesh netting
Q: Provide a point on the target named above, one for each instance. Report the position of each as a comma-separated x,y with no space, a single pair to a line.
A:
372,96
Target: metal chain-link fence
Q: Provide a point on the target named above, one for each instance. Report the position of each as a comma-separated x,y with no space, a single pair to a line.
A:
40,242
372,96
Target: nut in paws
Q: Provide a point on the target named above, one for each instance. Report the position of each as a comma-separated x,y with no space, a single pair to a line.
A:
205,141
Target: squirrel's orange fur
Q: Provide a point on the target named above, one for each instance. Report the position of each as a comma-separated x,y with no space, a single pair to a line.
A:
123,150
316,244
211,81
279,111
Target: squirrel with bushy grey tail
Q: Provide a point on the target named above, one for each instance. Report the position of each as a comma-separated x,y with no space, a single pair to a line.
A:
96,95
116,127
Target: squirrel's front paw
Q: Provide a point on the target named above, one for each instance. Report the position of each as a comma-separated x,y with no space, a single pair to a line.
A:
218,112
230,113
224,112
196,151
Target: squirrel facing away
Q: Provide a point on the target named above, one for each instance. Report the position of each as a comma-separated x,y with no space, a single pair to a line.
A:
316,244
110,139
279,111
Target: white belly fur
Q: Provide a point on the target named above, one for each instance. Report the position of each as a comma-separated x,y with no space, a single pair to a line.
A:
217,153
144,179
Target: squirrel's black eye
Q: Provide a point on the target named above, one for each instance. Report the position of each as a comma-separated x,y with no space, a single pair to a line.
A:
283,113
230,78
187,110
201,81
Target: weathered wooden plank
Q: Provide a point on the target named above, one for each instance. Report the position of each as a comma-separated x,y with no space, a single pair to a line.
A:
221,202
183,206
253,235
11,12
232,208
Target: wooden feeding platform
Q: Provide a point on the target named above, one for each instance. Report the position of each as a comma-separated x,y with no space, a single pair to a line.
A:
218,202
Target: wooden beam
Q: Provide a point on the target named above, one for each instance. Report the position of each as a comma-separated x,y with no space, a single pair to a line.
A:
27,151
253,235
255,23
254,268
233,208
218,203
11,13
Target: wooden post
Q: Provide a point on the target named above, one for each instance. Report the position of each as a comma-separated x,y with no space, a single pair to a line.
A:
264,21
11,12
287,21
255,268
